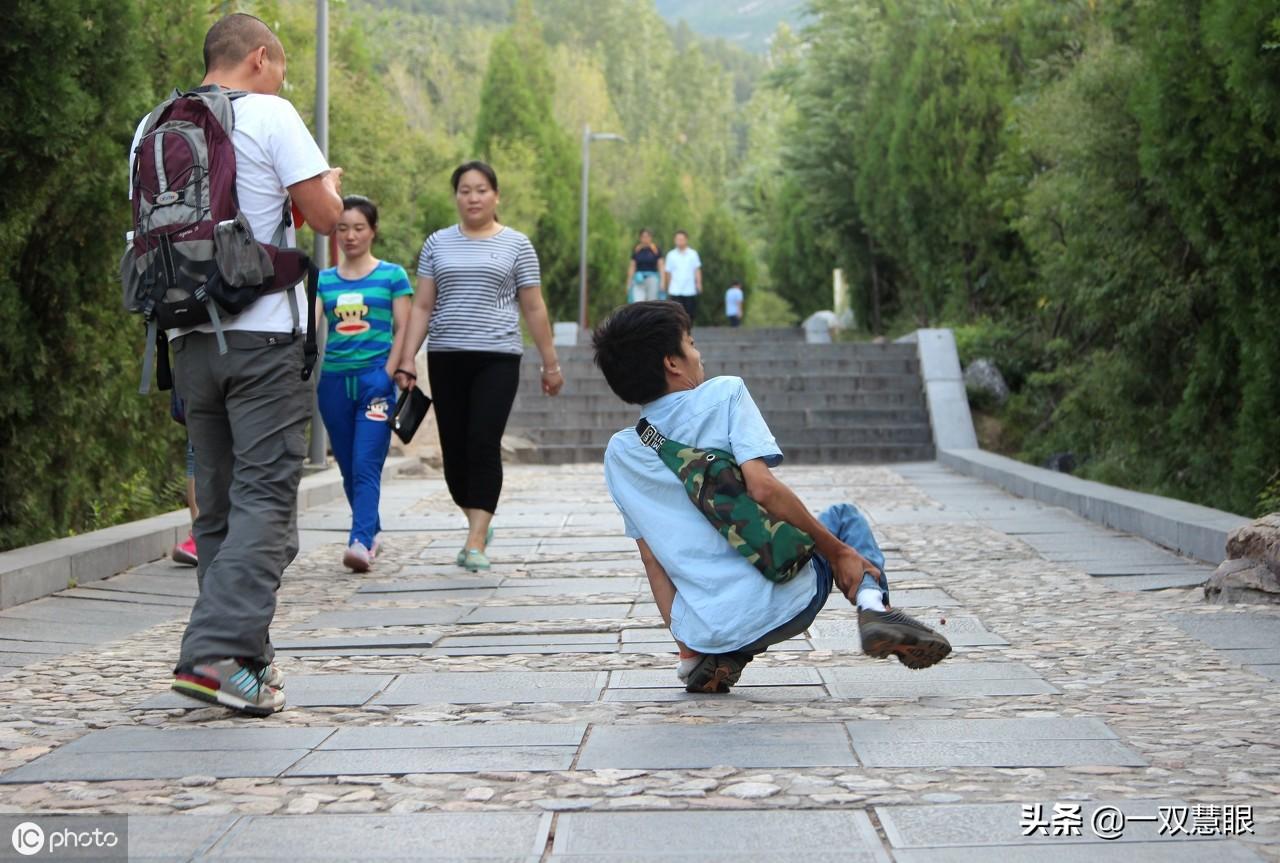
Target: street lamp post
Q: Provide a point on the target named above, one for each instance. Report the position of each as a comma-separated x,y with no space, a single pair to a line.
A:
320,247
587,137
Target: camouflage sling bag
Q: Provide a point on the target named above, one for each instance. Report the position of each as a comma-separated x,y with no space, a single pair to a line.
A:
715,484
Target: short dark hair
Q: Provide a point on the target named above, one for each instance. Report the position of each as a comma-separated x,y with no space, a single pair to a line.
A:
475,165
632,344
683,231
366,207
233,37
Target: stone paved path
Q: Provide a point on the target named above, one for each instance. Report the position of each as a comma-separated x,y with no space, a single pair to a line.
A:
532,713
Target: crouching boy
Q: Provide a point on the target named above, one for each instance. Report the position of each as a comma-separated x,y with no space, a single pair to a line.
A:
721,610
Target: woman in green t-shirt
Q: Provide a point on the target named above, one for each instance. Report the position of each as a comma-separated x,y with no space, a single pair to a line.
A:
365,304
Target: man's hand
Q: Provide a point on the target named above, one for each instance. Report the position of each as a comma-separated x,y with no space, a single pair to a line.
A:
334,180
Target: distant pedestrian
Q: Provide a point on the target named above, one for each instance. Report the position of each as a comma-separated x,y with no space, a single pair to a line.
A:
683,280
474,280
366,304
247,404
644,273
734,303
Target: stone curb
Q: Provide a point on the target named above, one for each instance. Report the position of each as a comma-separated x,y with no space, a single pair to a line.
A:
944,389
1188,528
38,570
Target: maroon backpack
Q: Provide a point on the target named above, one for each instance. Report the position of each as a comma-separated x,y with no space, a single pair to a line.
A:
193,258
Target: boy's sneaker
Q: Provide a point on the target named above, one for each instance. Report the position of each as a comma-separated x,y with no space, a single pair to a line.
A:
185,552
716,672
375,548
231,684
356,558
892,633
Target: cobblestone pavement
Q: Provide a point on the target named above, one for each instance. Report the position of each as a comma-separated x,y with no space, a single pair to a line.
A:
532,712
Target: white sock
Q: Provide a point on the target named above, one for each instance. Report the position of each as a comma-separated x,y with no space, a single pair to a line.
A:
686,666
869,595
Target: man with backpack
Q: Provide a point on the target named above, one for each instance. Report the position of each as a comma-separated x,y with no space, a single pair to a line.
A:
735,560
243,371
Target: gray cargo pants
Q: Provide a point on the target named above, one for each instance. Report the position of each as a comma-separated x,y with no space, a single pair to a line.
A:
247,412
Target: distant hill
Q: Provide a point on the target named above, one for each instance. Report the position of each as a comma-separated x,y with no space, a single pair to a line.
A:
748,23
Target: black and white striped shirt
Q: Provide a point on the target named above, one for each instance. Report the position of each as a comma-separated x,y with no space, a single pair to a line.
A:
476,284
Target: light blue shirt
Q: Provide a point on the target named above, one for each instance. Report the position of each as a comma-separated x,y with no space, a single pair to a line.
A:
722,601
733,302
682,266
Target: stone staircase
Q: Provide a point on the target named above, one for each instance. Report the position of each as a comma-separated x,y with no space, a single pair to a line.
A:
844,403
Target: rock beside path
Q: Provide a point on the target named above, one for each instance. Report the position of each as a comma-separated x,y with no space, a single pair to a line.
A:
1251,572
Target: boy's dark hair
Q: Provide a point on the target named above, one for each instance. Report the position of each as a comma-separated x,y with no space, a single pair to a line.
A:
231,39
366,207
632,343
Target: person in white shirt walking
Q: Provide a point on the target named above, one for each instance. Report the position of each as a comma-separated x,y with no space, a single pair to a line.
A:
683,274
734,302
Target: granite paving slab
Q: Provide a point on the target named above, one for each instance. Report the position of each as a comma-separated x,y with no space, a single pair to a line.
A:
304,690
921,597
52,648
447,687
674,692
1137,852
522,613
57,610
1006,753
645,609
81,634
59,766
791,645
440,583
960,630
181,583
716,837
466,759
761,744
569,586
379,617
1271,672
1231,630
785,675
499,734
1152,582
977,730
950,678
437,837
156,838
1002,824
132,738
128,597
361,642
529,639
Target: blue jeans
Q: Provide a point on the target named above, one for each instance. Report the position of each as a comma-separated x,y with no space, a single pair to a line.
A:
851,528
357,409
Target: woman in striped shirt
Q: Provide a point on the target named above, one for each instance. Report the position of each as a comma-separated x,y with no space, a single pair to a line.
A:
474,280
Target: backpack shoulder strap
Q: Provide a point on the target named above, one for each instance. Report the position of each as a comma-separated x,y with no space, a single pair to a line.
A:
650,436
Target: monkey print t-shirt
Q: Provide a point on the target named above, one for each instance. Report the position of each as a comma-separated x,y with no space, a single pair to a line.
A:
359,315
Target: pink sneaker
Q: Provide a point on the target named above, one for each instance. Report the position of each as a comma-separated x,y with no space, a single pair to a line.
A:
185,552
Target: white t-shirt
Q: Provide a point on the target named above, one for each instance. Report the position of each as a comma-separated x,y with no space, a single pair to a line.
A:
682,266
274,150
733,303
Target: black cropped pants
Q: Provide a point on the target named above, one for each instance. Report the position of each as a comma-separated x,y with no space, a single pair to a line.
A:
472,393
